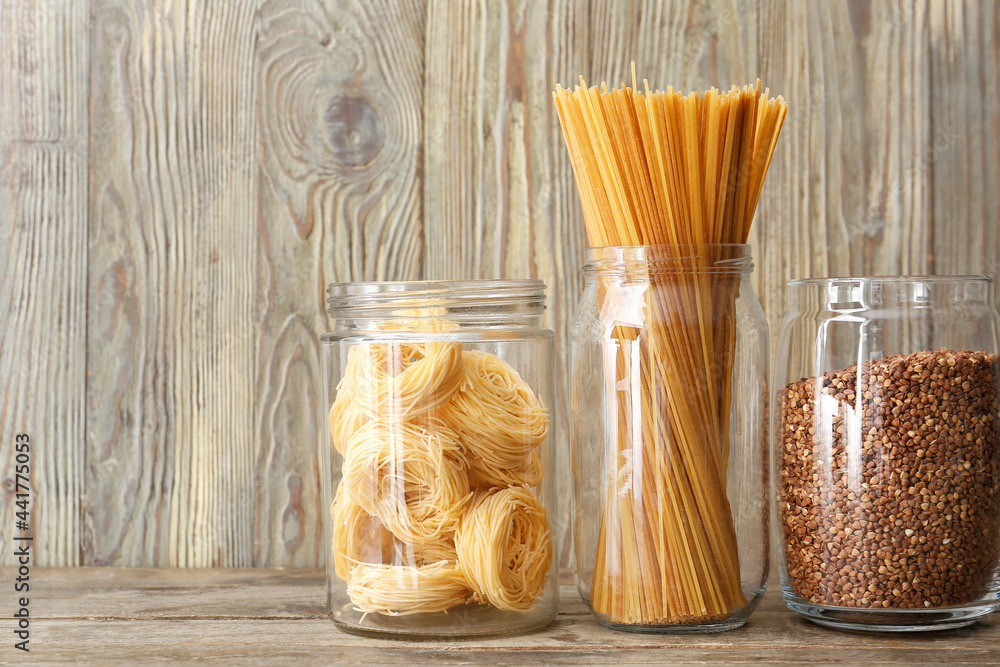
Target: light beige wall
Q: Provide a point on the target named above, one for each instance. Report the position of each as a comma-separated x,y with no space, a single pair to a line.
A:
179,180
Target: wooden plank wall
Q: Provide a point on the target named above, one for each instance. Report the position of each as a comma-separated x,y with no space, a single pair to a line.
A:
44,268
179,181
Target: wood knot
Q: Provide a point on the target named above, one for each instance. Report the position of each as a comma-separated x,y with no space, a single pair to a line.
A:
355,132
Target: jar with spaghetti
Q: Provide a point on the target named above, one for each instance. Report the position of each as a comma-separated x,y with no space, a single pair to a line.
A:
438,459
670,354
887,451
669,359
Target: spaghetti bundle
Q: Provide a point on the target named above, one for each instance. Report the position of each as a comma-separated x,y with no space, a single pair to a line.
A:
665,168
505,548
431,432
500,421
410,477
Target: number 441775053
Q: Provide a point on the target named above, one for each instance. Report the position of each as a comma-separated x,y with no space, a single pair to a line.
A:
22,448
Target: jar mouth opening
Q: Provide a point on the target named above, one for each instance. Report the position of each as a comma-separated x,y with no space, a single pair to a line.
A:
415,287
670,258
888,280
675,247
872,292
432,298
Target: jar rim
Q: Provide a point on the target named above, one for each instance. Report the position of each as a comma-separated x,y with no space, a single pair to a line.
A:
670,258
354,299
890,280
366,287
671,245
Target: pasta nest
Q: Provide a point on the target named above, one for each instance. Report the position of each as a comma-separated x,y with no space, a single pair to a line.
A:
439,551
359,537
402,379
398,590
346,417
412,477
428,320
500,420
505,548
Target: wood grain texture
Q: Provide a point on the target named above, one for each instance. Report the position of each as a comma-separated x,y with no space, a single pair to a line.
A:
496,201
555,213
850,188
499,199
170,475
688,44
340,88
483,201
163,282
963,156
43,267
122,615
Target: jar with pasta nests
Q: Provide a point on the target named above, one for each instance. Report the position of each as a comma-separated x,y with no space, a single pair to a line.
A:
437,462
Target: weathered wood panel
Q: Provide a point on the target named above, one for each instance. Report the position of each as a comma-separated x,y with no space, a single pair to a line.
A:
556,218
302,641
963,155
43,267
170,469
274,617
499,200
849,191
689,44
340,87
244,154
496,200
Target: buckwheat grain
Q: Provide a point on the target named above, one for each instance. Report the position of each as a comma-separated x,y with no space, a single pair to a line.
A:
889,481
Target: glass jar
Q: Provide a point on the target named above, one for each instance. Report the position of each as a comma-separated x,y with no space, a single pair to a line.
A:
437,465
669,402
887,451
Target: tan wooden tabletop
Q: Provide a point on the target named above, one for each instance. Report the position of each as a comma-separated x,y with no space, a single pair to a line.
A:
272,616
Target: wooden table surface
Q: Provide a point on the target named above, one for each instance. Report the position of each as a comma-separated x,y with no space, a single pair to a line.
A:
272,616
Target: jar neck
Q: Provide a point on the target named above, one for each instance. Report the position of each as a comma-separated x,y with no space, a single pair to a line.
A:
436,306
728,259
870,293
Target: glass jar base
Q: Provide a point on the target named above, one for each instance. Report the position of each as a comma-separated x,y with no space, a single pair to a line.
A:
472,622
736,618
674,629
897,620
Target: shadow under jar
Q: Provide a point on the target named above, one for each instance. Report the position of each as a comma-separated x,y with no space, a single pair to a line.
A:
887,451
437,465
670,357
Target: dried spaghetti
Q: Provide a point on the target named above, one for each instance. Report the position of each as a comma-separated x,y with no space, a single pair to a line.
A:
505,548
664,168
